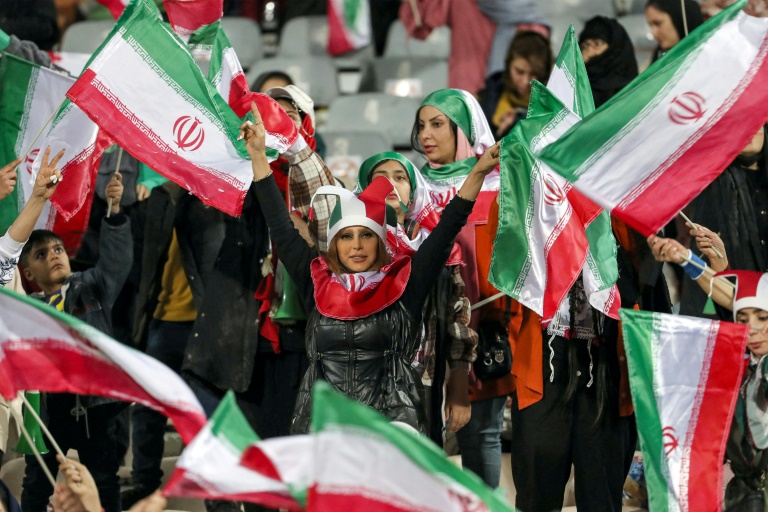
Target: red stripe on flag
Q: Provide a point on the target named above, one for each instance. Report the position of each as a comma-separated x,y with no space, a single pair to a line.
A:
185,484
118,122
566,252
51,365
338,44
697,167
186,16
705,481
357,499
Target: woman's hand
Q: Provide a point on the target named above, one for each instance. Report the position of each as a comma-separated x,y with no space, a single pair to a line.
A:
458,409
667,249
155,502
708,242
79,491
142,192
474,182
8,178
254,134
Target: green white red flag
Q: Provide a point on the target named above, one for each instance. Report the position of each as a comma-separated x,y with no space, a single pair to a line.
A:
349,26
183,129
684,374
209,468
71,62
45,349
188,16
542,242
116,7
364,462
31,95
224,70
661,140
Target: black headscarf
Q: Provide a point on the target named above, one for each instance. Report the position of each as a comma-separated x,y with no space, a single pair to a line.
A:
610,71
672,7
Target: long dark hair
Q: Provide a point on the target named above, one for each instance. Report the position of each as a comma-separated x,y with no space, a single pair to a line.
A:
693,17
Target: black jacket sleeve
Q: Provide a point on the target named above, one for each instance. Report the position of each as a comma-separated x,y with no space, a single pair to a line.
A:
292,249
430,259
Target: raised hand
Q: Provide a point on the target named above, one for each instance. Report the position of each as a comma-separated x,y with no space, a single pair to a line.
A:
489,160
48,177
114,191
667,249
254,134
710,244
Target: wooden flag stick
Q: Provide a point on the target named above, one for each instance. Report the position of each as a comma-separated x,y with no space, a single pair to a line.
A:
45,430
31,443
117,169
685,18
50,118
486,301
697,227
416,13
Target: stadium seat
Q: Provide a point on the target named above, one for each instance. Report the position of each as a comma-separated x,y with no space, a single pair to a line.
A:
308,35
86,36
245,36
405,76
314,74
392,115
399,44
346,150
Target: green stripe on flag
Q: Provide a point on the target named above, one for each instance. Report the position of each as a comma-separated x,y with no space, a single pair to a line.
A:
16,89
641,330
229,424
333,411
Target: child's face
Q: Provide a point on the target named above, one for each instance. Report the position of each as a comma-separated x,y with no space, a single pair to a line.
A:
757,343
48,265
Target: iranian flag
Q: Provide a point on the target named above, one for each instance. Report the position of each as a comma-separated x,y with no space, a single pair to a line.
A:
364,462
188,16
225,72
48,350
209,468
349,26
684,374
659,142
71,62
32,96
183,129
542,242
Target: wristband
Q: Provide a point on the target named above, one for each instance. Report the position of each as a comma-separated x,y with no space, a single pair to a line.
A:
693,271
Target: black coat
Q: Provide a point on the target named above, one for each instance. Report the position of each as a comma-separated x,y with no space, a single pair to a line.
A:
200,232
225,338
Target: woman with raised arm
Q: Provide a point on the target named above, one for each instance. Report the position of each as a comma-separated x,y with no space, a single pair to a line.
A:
364,305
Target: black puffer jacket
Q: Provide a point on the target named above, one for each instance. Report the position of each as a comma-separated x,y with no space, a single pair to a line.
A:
368,359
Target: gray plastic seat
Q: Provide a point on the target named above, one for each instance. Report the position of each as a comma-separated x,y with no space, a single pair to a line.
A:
245,36
391,115
86,36
399,44
346,150
308,35
316,75
382,74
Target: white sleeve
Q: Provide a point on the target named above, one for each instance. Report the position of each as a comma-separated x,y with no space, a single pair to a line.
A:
10,250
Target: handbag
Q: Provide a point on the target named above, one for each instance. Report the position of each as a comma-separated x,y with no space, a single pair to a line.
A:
494,355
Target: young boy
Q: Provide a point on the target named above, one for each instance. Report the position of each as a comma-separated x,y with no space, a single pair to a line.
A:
84,423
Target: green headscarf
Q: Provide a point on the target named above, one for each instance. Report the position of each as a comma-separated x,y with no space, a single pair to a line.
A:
453,104
367,167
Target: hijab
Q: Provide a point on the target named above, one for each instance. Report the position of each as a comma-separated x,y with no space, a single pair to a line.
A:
693,17
613,69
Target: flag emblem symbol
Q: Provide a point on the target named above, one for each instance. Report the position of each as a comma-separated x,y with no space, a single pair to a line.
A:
687,108
670,440
188,132
30,159
553,194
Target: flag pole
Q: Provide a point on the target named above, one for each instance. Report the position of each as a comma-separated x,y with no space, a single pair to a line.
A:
31,443
416,13
697,227
685,18
117,169
50,118
486,301
42,425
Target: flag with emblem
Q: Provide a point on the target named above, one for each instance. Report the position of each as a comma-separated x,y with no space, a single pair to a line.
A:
144,89
210,467
542,242
662,139
115,7
224,69
31,104
71,62
48,350
349,26
362,461
684,374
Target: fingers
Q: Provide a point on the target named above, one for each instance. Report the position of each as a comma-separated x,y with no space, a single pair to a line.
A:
46,154
117,176
10,167
142,192
56,158
256,113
